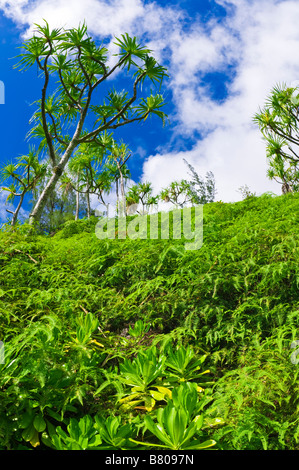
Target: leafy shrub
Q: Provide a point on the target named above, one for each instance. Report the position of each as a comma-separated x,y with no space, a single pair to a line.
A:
78,315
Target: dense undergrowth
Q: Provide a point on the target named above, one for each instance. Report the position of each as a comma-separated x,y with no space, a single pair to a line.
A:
105,339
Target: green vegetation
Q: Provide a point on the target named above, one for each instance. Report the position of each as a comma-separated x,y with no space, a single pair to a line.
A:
135,342
139,344
79,67
278,122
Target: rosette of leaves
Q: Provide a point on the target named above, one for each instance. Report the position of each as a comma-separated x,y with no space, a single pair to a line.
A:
177,424
184,365
80,435
142,375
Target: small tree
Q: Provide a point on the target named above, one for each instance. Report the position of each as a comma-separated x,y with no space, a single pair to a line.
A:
178,193
119,155
80,67
103,185
60,206
24,177
86,177
202,191
113,170
246,192
278,121
85,165
141,193
284,173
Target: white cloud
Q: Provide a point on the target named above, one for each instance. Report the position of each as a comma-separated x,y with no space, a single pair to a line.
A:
260,39
104,18
4,215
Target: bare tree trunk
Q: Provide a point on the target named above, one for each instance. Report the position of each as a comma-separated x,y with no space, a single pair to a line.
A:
117,201
53,180
122,192
286,188
88,204
77,199
16,212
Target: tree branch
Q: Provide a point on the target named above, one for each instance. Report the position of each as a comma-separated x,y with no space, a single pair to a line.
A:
83,68
111,71
60,140
118,115
43,111
76,104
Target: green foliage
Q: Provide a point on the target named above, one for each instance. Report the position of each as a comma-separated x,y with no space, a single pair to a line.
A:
142,374
184,365
115,328
278,122
80,436
23,178
178,422
178,193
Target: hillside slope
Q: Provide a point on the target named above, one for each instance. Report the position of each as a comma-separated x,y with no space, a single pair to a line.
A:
235,299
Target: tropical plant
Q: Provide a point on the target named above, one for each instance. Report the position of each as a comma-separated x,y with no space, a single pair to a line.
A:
278,122
141,193
60,206
139,329
80,435
142,374
178,193
114,434
24,177
80,317
81,67
246,192
184,365
178,423
119,155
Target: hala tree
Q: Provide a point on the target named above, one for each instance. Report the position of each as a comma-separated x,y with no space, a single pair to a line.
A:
112,168
80,66
85,164
23,177
178,193
119,155
60,205
141,193
103,183
278,121
87,176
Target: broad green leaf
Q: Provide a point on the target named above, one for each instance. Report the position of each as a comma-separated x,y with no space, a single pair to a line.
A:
39,423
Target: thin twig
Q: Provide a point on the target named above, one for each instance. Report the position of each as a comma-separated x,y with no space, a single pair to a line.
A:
27,254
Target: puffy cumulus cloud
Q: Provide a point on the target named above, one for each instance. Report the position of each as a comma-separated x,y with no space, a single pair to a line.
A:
104,18
258,42
3,213
236,160
198,51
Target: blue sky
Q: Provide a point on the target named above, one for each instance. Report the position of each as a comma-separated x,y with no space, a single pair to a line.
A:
223,58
